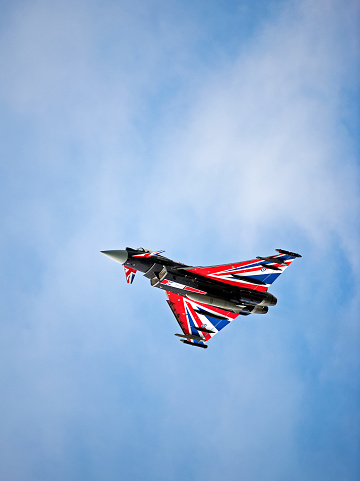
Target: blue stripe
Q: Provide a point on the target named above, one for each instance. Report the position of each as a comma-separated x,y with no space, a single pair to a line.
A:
218,323
267,278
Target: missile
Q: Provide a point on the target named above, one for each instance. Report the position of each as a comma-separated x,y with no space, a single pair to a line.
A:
190,336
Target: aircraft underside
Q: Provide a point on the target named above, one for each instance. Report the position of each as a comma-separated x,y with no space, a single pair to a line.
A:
205,299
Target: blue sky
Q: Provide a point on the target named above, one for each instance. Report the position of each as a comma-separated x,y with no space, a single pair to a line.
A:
217,131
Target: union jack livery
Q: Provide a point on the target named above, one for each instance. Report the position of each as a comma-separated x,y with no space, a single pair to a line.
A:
206,299
129,274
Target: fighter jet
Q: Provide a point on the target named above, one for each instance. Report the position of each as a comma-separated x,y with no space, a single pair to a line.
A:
206,299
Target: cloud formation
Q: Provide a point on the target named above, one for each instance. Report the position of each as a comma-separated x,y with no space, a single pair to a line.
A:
148,123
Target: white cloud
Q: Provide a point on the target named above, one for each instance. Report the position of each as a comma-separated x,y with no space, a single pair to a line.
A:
265,147
240,155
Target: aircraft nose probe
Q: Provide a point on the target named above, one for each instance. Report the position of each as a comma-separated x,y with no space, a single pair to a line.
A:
118,256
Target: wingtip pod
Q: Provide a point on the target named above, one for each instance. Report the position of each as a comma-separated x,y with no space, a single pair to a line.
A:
288,253
204,346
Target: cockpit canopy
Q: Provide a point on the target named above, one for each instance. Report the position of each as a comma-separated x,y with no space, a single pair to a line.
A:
140,249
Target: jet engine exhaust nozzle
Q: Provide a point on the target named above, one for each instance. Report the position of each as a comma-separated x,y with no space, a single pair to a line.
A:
270,300
118,256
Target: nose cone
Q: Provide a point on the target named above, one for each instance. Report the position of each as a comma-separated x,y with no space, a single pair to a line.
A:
118,256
